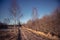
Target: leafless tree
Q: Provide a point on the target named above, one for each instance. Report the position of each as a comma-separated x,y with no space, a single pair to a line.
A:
15,11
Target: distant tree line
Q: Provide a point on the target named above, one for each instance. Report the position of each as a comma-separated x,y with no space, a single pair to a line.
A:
3,26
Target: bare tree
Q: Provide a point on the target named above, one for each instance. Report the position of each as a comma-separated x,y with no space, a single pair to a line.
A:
15,11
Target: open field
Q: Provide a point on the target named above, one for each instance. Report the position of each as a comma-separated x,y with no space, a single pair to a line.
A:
25,34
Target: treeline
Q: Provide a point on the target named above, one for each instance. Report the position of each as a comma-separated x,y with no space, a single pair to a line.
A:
3,25
48,23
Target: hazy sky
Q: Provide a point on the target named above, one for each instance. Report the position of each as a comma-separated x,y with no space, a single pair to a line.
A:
43,7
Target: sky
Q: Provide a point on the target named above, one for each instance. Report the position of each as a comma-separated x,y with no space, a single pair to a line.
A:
44,7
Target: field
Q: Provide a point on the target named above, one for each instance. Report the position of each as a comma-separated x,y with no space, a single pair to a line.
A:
24,33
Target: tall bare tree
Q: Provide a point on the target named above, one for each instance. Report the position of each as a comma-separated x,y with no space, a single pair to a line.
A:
15,11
